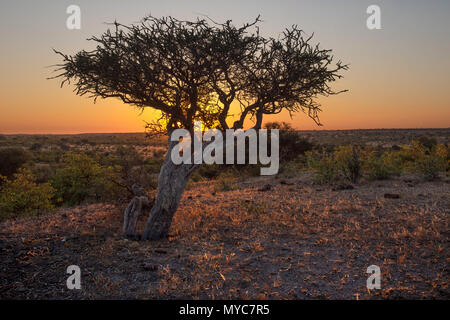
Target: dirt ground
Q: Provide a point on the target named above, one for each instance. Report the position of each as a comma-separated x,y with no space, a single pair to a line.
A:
267,238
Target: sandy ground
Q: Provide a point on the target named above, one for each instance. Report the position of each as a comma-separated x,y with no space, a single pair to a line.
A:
267,238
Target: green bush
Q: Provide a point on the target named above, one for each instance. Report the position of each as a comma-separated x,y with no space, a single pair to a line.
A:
209,172
426,142
323,165
11,159
429,162
133,167
443,152
292,144
280,125
381,166
22,196
159,153
43,172
50,156
224,183
349,162
83,179
36,146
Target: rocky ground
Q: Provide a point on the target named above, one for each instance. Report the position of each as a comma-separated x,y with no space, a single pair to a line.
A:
260,238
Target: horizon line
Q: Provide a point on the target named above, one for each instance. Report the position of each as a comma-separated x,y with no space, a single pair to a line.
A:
139,132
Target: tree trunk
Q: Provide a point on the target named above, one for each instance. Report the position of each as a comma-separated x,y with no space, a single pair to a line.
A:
132,214
171,184
134,211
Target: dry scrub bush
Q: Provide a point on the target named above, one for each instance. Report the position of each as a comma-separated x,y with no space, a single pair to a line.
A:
381,165
344,163
350,163
82,178
22,196
11,159
430,162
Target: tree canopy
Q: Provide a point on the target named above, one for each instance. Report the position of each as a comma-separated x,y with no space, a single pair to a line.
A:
195,70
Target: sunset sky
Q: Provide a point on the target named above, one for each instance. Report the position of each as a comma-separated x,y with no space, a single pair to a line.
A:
399,76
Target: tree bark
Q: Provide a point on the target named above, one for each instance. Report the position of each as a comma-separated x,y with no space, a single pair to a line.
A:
134,211
132,214
171,184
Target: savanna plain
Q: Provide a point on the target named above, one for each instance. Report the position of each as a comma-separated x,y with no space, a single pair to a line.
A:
342,201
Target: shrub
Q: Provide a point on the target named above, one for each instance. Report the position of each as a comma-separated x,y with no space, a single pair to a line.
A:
426,142
349,162
225,182
282,126
381,166
51,156
292,144
443,151
43,172
133,168
11,159
406,157
159,153
429,162
323,165
36,146
22,196
82,178
211,171
345,163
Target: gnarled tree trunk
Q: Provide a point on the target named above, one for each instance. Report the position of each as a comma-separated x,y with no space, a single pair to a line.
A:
134,211
132,214
171,184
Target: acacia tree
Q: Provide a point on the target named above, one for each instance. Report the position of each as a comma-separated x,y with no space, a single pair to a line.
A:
193,71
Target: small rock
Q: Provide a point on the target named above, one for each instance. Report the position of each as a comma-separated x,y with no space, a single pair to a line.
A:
267,187
391,196
149,266
343,187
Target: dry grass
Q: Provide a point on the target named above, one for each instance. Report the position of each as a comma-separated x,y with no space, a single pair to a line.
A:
294,241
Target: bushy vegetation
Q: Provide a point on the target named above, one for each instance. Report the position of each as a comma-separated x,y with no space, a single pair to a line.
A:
292,143
81,178
11,159
225,182
343,164
22,196
323,165
133,168
430,160
380,165
41,174
350,163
